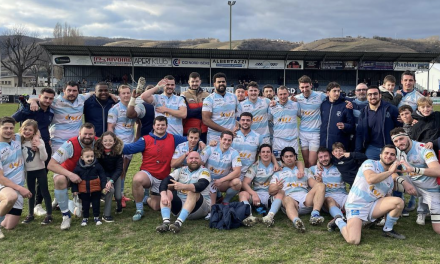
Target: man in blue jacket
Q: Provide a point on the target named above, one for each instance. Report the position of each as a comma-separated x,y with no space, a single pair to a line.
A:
337,120
97,106
374,124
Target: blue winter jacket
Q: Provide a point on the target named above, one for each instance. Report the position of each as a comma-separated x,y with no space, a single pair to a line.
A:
96,112
387,117
331,114
228,216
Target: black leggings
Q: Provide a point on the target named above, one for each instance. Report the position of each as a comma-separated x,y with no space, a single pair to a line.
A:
39,198
41,177
86,198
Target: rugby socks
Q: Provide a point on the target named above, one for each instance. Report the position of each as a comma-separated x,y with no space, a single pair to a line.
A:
166,212
340,223
63,200
230,193
140,206
247,203
389,223
276,205
295,219
315,213
182,216
146,195
334,211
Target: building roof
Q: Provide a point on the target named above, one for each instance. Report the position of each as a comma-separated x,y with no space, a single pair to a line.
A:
239,54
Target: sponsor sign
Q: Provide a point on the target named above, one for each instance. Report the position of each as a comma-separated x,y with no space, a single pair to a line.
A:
207,89
111,61
294,65
332,65
151,62
229,63
71,60
311,65
376,65
266,64
411,66
350,65
190,63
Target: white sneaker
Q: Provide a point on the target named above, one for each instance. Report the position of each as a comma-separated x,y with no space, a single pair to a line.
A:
39,211
268,220
208,216
1,234
66,222
381,223
250,221
421,219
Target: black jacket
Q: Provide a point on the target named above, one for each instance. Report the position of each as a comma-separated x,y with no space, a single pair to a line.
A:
228,216
112,165
89,174
348,167
427,129
390,98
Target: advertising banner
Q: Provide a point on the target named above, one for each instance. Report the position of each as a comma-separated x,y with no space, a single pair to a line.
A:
111,61
294,65
376,65
266,64
311,65
411,66
332,65
71,60
151,62
350,65
229,63
190,63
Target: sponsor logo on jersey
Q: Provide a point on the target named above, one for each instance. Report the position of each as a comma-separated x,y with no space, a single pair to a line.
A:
429,155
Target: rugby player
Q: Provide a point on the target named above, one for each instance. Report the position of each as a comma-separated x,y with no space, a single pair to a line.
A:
183,149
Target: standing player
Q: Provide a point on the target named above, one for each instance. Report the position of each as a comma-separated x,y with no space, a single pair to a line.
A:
171,106
123,127
298,199
327,173
218,112
189,194
310,114
268,92
285,126
410,95
12,174
259,108
421,169
370,198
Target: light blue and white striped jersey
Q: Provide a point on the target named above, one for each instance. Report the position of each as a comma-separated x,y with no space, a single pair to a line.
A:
223,111
291,181
285,124
67,119
310,111
247,146
124,128
173,102
220,163
260,114
182,149
260,176
186,176
331,177
411,99
12,163
362,193
419,157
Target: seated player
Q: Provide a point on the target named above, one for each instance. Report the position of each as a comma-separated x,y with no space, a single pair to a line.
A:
298,199
370,198
347,163
185,192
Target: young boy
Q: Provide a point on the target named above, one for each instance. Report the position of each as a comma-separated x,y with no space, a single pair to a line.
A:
89,189
347,163
405,113
387,90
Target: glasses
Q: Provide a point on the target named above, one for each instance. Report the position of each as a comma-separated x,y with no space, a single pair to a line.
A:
361,90
373,94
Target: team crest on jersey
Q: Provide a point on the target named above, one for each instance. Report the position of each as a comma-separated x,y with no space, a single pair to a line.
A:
388,115
338,113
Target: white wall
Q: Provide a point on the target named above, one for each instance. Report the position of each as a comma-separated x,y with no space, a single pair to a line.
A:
434,77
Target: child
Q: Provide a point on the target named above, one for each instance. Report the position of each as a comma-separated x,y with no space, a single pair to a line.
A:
405,113
387,90
108,150
347,163
34,155
89,189
427,129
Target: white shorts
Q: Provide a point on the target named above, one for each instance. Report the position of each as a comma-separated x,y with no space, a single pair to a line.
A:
19,203
279,144
264,198
155,183
431,199
300,197
309,140
365,213
340,198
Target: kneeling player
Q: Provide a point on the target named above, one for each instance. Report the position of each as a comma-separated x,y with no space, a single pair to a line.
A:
297,199
369,198
258,175
335,193
186,191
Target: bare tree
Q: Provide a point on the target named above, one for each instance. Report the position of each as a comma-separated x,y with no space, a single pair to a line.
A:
22,51
67,35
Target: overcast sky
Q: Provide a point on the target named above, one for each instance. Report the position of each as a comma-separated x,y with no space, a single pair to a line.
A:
293,20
